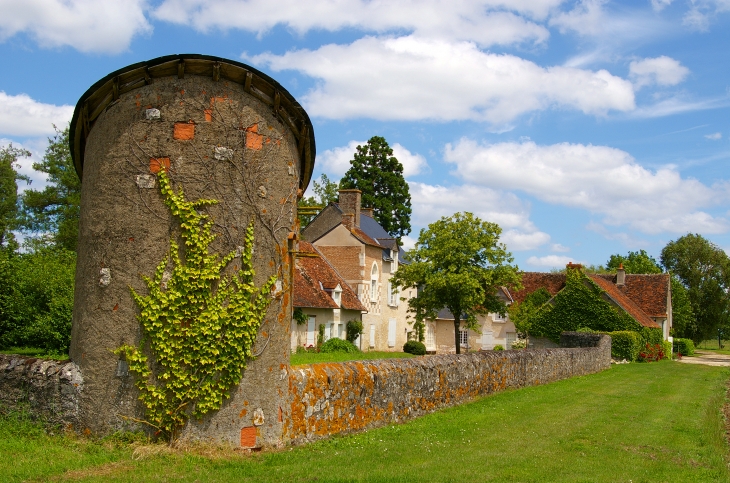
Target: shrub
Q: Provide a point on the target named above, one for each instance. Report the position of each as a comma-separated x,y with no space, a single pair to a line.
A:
338,345
625,344
299,316
684,346
519,344
667,348
651,353
498,347
320,335
353,330
414,347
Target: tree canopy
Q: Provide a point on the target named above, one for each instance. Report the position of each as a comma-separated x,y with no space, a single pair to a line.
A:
325,192
9,193
704,270
55,210
379,175
458,263
634,262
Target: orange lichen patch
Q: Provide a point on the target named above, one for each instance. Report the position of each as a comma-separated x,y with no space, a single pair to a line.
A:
281,414
157,164
208,115
184,131
248,437
182,91
242,413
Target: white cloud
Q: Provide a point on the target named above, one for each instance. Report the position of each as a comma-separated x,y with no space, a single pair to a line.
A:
676,105
714,136
551,261
659,5
431,202
87,25
22,116
336,161
663,71
587,18
557,247
600,179
626,239
408,78
486,22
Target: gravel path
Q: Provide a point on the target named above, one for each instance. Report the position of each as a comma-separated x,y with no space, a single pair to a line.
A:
707,358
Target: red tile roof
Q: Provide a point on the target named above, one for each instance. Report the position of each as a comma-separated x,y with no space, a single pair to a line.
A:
648,291
624,301
531,281
312,275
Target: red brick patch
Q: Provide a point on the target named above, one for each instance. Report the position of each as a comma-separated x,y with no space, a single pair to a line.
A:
156,164
184,131
248,437
208,115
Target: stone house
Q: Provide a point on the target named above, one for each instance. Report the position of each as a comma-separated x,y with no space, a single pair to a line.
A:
494,329
647,298
366,256
323,296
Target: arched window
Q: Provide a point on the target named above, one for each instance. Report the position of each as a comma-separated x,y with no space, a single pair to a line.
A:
374,282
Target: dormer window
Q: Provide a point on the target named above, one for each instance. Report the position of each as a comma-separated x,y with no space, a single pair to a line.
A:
337,295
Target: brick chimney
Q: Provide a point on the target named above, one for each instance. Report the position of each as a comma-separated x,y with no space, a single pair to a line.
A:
572,265
350,205
368,212
620,275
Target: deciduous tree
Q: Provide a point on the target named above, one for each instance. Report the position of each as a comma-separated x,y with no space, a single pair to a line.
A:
325,192
458,263
379,175
704,269
634,262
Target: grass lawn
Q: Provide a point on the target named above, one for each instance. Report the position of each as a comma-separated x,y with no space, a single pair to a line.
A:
655,422
314,357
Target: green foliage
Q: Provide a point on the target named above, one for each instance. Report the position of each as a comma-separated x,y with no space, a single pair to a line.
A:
9,193
299,316
36,299
683,318
498,347
634,262
684,346
325,192
56,209
458,263
667,349
704,270
336,344
522,313
353,330
580,304
625,344
320,335
199,324
414,347
379,175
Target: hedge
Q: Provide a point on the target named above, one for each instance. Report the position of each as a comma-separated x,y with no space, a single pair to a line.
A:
625,344
684,346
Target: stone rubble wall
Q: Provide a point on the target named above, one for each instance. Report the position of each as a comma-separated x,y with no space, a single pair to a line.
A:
47,389
348,397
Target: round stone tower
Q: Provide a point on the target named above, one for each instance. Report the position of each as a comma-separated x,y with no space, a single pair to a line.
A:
220,130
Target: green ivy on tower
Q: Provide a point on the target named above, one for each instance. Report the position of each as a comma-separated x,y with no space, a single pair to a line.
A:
198,325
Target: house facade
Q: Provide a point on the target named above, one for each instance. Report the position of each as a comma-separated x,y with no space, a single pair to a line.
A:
323,296
366,256
645,297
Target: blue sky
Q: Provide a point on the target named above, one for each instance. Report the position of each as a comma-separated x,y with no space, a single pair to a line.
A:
582,128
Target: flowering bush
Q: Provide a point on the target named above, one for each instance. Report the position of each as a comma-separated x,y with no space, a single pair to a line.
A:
651,353
519,344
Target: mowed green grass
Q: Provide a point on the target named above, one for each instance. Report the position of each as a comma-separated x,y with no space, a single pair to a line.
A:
657,422
297,359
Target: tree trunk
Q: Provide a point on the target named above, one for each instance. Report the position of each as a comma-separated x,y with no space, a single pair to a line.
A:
457,324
